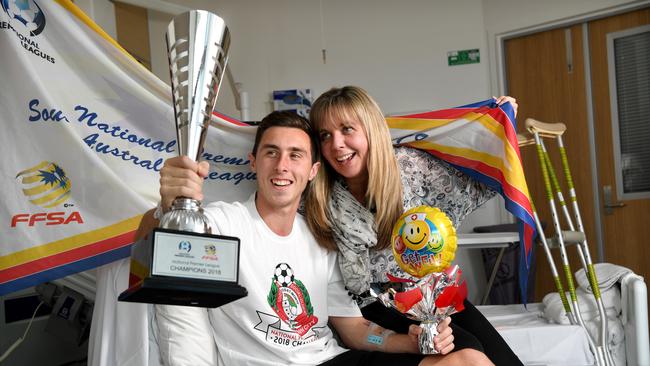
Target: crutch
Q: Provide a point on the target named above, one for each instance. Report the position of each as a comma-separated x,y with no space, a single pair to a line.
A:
526,141
575,309
583,248
556,131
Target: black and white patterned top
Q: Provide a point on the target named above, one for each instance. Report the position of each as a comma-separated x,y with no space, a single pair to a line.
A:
430,181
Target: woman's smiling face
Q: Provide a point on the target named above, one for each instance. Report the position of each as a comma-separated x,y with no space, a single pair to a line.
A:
345,147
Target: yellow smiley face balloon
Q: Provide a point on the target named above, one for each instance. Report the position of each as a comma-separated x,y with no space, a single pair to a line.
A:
424,241
416,234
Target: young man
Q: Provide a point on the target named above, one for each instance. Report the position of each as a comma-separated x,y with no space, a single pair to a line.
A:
294,285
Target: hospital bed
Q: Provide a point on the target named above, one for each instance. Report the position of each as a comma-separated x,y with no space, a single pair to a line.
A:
539,336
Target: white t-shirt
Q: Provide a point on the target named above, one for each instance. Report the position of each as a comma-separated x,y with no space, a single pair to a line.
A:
293,286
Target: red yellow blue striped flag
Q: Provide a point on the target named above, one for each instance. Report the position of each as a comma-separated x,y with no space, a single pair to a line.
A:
480,140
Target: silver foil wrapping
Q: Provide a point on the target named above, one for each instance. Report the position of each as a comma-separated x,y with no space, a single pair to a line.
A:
438,295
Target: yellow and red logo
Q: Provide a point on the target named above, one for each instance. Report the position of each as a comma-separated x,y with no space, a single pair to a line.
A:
46,185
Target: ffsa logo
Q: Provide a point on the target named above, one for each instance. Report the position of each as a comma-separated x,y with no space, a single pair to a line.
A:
46,185
27,13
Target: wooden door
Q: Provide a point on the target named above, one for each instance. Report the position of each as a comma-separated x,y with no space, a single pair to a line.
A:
545,72
132,27
626,229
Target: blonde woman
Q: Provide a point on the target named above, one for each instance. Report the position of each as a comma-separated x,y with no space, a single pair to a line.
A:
364,185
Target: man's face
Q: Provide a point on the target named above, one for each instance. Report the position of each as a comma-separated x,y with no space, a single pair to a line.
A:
283,167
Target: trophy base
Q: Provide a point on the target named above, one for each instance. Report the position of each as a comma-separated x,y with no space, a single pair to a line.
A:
184,292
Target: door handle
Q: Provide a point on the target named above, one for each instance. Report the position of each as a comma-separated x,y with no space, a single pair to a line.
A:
609,205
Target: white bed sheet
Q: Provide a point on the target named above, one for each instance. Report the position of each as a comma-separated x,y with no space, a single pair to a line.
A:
535,340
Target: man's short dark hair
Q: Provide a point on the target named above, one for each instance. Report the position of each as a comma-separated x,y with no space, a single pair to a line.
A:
286,119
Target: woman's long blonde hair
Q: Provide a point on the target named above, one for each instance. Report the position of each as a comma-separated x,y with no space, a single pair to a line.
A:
384,191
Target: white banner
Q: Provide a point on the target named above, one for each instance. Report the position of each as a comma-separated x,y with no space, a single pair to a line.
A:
85,131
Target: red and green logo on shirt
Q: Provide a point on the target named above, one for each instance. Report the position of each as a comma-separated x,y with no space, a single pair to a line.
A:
290,300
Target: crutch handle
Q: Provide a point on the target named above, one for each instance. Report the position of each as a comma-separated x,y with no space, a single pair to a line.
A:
568,238
545,129
524,139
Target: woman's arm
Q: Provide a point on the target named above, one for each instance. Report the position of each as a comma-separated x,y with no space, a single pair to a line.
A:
505,99
430,181
359,333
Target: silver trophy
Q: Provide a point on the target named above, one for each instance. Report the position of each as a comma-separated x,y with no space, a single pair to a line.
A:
197,49
181,265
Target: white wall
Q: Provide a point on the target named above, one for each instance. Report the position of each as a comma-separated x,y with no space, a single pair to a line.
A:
396,50
102,12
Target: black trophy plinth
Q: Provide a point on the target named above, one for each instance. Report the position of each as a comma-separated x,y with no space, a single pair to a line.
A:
188,269
185,292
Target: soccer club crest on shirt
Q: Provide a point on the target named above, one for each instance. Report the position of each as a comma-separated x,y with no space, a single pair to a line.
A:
290,300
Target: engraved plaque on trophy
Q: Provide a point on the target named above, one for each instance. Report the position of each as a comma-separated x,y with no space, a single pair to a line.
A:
184,263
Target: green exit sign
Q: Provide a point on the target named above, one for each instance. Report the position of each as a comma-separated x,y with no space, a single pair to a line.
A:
463,57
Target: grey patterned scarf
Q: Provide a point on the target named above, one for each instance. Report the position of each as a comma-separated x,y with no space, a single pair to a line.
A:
353,228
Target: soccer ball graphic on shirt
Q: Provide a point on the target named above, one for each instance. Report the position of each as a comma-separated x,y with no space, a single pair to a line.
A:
283,274
27,12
